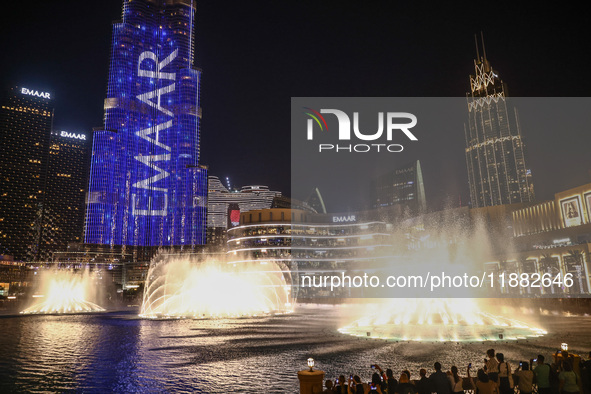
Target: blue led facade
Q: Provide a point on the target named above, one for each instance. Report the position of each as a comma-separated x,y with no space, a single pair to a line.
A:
146,185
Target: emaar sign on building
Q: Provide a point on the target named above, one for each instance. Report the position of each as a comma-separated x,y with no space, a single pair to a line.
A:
74,136
36,93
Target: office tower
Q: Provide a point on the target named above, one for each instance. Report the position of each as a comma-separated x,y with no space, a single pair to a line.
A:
26,120
146,185
402,189
63,214
497,172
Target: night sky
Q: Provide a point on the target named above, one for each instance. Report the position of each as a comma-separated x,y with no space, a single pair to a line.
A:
256,55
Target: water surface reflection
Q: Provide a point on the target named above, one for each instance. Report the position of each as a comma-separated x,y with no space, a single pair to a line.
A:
118,352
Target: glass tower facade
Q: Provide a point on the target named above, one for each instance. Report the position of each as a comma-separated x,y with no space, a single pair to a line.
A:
497,173
63,216
146,185
402,188
26,118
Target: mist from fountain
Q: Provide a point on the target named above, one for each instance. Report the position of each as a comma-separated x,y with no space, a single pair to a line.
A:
455,246
64,292
183,287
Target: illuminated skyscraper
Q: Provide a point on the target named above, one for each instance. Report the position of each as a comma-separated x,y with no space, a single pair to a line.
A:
497,173
67,175
43,174
26,119
401,188
146,185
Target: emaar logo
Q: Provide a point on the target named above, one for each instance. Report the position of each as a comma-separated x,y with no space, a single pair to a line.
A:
390,125
73,135
152,134
344,219
35,93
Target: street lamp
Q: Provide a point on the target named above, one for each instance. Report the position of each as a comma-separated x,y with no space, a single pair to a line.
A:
311,364
564,347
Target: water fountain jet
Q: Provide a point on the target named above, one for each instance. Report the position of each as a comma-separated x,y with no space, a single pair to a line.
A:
64,292
181,287
438,320
457,246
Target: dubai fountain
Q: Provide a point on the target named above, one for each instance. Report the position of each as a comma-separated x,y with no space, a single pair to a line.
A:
64,292
438,320
181,286
453,247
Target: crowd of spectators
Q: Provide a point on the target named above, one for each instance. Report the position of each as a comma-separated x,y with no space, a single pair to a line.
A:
496,376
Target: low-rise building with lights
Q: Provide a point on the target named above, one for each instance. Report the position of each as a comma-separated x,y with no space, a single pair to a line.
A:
309,244
553,237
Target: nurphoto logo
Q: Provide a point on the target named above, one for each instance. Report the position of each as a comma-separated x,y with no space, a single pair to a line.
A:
395,122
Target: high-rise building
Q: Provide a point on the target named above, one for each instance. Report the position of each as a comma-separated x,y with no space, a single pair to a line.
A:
26,119
497,172
402,189
146,185
246,199
63,213
44,176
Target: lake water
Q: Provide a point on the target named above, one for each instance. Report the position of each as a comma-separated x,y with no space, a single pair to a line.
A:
116,352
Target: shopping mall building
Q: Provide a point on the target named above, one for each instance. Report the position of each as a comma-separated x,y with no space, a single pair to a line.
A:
304,243
546,238
554,237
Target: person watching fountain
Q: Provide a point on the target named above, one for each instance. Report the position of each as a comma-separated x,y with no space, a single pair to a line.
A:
569,380
586,375
542,375
423,385
407,372
505,375
340,386
376,384
391,380
440,380
526,378
383,377
329,387
456,381
484,384
491,365
404,386
355,386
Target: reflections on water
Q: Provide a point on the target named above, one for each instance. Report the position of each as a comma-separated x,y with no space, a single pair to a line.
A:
115,352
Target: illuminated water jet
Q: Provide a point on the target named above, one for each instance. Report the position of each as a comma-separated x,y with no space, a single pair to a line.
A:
64,292
438,320
456,245
181,288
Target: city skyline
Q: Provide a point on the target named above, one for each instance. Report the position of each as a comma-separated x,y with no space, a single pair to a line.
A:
250,74
269,195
